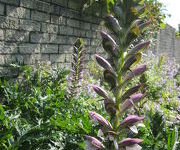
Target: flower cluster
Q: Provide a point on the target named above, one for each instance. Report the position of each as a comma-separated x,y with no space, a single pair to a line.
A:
125,25
77,68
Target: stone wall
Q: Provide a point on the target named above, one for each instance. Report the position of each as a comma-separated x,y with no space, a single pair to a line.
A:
44,30
167,43
33,31
177,50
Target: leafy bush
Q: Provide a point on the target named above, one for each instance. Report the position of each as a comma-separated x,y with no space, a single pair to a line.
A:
35,113
157,134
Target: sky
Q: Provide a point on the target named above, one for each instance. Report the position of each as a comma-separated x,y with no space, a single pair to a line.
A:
173,8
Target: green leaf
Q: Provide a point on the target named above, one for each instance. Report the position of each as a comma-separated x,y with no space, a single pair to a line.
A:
162,25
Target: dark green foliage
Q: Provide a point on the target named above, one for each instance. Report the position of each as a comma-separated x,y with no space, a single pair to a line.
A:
157,134
35,114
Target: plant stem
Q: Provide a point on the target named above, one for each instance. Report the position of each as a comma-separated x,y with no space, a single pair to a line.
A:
120,90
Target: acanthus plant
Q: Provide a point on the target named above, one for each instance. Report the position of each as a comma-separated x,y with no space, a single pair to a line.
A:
126,24
77,66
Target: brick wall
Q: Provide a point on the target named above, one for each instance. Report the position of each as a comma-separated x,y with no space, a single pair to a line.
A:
44,30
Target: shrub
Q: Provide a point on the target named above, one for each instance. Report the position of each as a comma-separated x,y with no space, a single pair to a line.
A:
35,113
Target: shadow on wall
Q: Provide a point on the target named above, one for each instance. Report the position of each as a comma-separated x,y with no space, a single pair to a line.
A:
35,31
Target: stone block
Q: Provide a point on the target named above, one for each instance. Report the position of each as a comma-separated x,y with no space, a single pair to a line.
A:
29,25
2,61
57,58
55,9
1,34
9,23
49,28
60,2
50,49
71,40
36,4
90,34
40,16
58,39
27,3
85,25
61,20
41,6
27,48
19,58
35,59
73,23
45,57
68,58
77,32
39,59
8,48
16,36
17,12
39,37
76,5
66,49
87,41
65,30
1,9
95,42
13,2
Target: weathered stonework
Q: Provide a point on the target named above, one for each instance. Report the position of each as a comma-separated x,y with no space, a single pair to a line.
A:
45,30
167,43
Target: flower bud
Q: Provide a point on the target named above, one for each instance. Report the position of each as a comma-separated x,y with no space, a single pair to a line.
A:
132,60
108,43
129,92
110,107
133,100
110,78
112,24
129,142
131,120
136,72
139,47
100,91
95,142
103,62
101,120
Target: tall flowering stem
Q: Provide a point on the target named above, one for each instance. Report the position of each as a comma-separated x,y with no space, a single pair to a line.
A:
77,66
125,24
